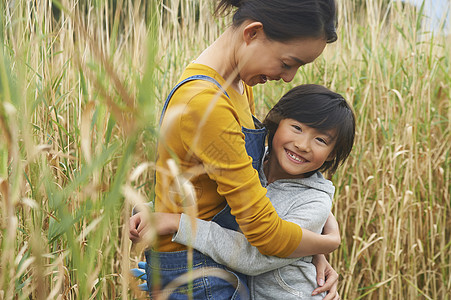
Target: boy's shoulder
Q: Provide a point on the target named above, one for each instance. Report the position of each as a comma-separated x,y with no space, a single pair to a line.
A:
316,182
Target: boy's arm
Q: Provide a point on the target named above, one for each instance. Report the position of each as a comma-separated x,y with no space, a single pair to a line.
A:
231,248
323,244
225,246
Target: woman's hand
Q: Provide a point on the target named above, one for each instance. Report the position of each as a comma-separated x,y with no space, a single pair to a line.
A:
324,271
162,223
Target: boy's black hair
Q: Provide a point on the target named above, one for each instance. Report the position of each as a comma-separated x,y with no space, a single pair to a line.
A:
320,108
284,20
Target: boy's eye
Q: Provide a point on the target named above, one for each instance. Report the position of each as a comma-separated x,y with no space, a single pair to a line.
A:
321,140
297,127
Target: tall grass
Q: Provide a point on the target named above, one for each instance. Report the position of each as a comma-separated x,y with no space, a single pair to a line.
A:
81,86
76,117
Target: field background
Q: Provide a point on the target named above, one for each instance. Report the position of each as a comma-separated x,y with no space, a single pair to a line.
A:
81,85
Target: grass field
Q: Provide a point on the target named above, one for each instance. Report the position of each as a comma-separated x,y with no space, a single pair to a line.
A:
81,85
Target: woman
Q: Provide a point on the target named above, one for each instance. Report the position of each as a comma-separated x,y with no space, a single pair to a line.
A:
209,130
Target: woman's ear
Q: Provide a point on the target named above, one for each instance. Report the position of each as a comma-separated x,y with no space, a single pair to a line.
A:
252,31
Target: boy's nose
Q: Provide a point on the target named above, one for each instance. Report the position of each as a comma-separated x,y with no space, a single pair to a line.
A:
302,144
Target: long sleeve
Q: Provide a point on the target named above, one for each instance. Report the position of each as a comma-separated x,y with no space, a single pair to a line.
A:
231,248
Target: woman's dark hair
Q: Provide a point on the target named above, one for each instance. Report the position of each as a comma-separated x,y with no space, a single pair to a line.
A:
285,20
320,108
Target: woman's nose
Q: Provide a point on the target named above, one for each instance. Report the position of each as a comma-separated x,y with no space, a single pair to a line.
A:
289,75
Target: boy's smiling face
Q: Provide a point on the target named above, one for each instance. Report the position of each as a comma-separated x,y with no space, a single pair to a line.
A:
298,149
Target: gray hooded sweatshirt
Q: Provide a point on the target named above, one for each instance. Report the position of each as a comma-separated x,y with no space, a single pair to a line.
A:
304,201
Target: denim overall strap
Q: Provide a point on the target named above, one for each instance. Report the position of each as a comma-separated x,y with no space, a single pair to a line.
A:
194,77
254,140
168,98
255,143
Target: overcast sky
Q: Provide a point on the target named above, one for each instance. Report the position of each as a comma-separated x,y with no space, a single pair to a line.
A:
435,10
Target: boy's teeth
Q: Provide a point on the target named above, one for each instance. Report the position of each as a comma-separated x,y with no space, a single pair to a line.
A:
294,157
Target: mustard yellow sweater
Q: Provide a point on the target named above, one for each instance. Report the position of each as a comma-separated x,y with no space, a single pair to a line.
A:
201,132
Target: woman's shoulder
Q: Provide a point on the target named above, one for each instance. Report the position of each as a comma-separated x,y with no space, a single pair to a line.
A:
206,92
201,72
196,83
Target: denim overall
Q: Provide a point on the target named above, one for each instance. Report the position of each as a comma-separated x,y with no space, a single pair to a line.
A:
170,265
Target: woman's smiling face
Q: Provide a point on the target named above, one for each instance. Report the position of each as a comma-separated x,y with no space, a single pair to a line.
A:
265,59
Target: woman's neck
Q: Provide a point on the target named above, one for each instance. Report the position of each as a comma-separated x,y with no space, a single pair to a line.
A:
221,56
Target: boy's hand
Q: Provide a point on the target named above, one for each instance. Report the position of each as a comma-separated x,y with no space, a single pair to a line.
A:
325,271
165,223
161,223
135,223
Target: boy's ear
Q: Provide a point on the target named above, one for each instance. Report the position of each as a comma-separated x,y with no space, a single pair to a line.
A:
252,31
